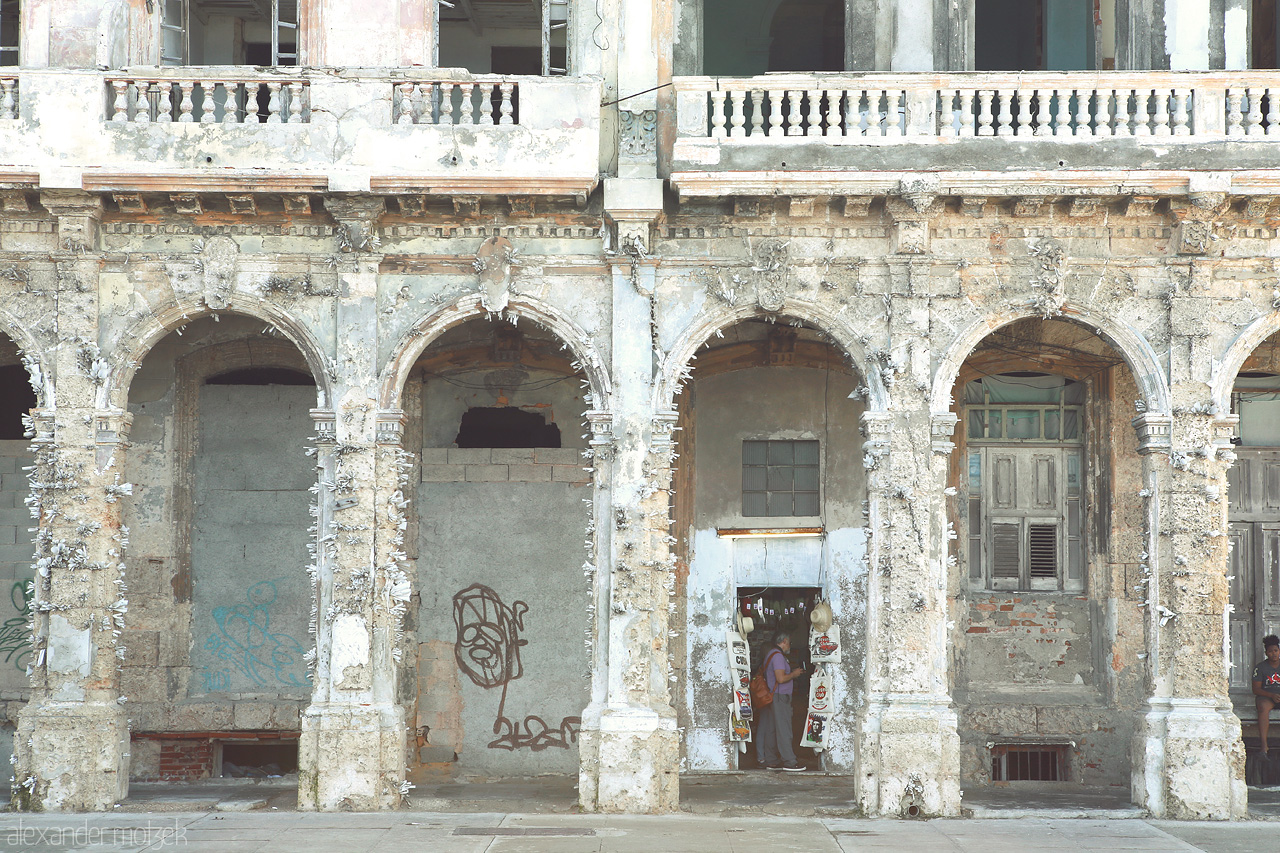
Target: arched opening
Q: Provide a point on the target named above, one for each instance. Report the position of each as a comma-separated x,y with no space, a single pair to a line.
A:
768,519
742,39
1253,511
17,399
1047,637
220,523
503,492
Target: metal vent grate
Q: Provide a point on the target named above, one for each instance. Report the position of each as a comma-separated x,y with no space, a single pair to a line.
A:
1044,550
1015,762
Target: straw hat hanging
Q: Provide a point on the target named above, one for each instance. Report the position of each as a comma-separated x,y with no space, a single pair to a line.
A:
821,617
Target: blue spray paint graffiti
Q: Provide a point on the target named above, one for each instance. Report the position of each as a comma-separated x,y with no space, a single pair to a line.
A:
15,633
244,640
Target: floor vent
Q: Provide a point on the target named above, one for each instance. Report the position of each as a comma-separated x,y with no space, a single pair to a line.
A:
1025,762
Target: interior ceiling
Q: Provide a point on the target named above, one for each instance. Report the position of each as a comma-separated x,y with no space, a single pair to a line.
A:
249,10
497,14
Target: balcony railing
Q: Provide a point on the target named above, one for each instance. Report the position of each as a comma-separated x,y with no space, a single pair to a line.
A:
208,100
889,108
484,101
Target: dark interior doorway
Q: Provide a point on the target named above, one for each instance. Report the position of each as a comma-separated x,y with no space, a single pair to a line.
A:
775,609
1034,35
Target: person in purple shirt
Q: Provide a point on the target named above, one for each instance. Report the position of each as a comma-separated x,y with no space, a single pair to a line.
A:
1266,686
773,738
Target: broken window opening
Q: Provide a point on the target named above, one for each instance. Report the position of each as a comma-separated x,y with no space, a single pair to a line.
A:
1042,35
228,32
506,426
780,478
1264,24
16,400
261,376
10,32
503,37
1256,399
1028,763
1025,513
258,760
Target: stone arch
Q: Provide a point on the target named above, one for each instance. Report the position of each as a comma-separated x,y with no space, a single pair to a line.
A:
144,335
1234,358
415,342
675,367
42,380
1126,340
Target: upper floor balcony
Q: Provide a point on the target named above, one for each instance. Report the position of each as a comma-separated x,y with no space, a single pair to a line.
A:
240,128
1088,132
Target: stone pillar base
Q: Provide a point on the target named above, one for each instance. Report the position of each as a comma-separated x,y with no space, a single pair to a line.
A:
1188,761
630,762
351,758
70,756
909,757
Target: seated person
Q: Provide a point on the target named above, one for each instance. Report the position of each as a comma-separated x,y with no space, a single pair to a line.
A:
1266,686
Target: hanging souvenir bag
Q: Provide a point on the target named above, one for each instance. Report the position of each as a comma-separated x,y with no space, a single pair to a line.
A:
761,695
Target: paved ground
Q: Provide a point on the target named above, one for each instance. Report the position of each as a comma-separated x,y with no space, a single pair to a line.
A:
734,813
294,832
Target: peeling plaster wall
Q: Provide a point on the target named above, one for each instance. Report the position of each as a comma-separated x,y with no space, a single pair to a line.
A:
780,403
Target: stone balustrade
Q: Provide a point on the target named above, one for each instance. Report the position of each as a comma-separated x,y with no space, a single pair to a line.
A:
8,98
208,100
889,108
482,101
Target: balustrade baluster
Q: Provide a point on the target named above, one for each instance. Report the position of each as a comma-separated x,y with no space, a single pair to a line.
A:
119,100
966,112
813,113
206,102
1273,112
1044,118
1004,119
1024,112
186,105
487,113
1180,115
6,99
1235,117
1142,105
164,102
717,113
231,102
1122,112
470,92
1080,125
507,107
295,102
894,124
273,103
947,113
146,102
795,119
775,112
831,121
405,114
1062,122
984,112
1162,112
1253,122
755,98
1102,112
737,113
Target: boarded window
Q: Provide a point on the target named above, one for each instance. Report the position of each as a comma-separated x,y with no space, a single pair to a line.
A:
780,478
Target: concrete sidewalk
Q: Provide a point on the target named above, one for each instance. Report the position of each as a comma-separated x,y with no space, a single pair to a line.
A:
300,832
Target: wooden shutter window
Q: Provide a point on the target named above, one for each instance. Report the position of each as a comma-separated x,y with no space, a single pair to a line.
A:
1006,550
1044,550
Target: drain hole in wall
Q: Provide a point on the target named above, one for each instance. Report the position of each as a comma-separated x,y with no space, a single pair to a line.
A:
259,760
208,159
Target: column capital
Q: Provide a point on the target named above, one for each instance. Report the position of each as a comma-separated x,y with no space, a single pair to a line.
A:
326,425
78,213
663,430
942,425
1154,432
389,427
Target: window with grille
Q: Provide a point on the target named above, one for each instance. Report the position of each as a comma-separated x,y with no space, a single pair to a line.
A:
1013,762
780,478
1025,522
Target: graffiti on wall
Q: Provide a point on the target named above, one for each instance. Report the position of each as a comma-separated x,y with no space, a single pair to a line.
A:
15,633
487,649
243,639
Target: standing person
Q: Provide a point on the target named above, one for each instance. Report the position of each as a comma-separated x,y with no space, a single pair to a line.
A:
774,749
1266,686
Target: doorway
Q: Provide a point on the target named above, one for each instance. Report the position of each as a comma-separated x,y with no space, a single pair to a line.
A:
775,609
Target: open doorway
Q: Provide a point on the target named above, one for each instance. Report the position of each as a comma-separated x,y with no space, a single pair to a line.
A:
774,609
1038,35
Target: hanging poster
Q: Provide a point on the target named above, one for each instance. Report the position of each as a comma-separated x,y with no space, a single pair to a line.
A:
739,655
742,701
824,646
739,729
744,681
815,732
821,702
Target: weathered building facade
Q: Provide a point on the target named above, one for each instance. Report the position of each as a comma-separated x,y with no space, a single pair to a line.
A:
431,387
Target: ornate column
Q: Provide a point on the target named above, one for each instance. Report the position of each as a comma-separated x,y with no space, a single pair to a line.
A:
1188,760
909,749
354,741
72,742
629,745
